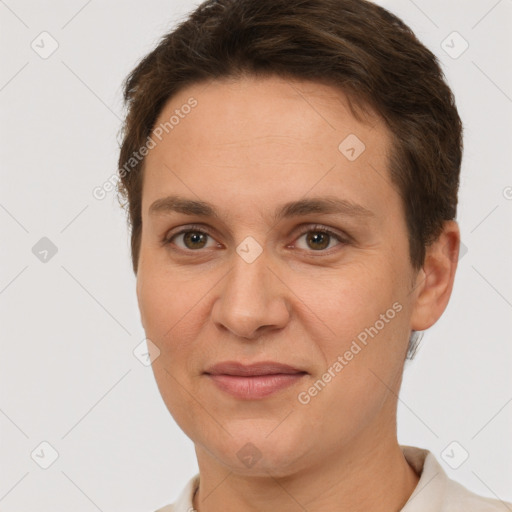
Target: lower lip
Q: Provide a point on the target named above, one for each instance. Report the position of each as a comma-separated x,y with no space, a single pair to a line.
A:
252,388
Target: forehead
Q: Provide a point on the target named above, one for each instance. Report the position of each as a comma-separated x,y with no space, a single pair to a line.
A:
269,138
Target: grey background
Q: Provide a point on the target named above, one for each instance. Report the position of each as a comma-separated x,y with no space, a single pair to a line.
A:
68,375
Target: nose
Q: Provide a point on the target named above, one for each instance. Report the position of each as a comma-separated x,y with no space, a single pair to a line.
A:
252,299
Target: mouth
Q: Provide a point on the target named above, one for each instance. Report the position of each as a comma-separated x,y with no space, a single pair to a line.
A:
254,381
235,368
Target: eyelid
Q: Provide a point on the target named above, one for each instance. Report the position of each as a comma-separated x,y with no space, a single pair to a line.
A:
307,227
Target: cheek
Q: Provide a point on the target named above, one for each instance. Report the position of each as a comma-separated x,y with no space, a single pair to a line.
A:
170,304
163,309
356,383
173,389
155,304
162,297
363,321
160,311
346,301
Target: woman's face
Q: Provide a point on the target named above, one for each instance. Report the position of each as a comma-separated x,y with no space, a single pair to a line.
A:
264,282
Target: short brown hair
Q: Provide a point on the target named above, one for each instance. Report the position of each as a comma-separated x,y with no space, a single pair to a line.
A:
354,45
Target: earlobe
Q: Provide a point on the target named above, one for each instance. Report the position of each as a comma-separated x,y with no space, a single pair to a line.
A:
434,282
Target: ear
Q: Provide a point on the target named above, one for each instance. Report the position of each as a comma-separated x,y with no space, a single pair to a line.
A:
434,282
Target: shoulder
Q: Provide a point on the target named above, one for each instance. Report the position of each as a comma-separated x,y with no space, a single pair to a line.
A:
437,492
167,508
458,498
184,501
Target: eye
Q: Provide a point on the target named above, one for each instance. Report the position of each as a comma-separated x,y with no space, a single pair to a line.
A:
319,238
192,239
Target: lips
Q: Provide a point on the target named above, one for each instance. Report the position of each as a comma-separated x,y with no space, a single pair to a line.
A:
254,381
255,369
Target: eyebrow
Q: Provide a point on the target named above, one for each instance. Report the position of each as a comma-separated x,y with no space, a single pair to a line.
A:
302,207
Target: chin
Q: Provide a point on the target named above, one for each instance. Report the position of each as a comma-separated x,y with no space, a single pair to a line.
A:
255,452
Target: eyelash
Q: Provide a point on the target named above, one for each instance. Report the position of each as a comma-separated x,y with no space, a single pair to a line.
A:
310,229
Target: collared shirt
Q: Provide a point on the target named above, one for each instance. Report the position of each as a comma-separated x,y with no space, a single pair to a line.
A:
435,492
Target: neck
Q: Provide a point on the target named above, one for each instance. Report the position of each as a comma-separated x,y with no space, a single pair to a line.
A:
369,476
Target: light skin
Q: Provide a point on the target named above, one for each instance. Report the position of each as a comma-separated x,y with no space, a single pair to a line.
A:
248,147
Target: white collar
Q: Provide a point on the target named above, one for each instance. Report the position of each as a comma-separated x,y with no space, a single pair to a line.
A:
435,492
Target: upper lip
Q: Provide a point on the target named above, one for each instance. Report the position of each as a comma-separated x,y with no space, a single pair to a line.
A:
260,368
